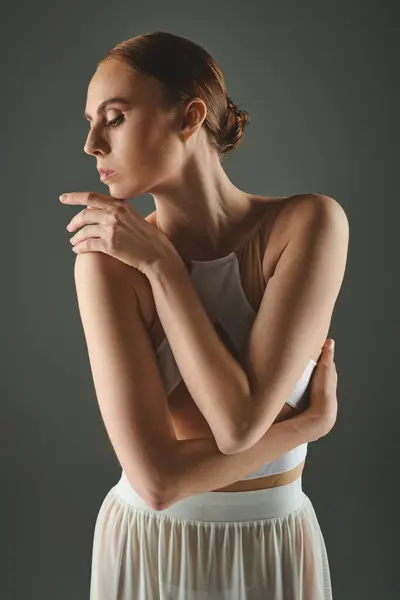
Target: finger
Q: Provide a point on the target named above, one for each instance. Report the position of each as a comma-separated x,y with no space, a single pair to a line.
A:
329,348
84,216
89,231
89,199
331,345
90,245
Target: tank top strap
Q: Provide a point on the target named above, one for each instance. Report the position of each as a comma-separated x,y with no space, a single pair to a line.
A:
250,260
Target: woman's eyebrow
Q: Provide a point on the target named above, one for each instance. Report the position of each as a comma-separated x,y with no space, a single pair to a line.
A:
108,101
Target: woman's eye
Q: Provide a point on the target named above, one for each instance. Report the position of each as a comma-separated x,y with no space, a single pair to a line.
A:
115,122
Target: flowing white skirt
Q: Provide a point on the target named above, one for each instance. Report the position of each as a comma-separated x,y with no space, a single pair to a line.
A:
256,545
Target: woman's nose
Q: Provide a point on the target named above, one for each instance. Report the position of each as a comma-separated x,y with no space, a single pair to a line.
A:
93,145
88,148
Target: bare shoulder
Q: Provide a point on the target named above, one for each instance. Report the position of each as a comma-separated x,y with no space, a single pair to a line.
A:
300,208
284,217
120,273
125,274
298,211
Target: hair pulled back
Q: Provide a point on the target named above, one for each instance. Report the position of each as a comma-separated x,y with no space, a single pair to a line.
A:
185,70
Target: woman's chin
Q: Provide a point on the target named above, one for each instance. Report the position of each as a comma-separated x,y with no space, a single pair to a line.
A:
118,192
126,192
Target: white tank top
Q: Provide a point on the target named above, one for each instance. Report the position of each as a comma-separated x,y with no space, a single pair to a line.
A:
220,288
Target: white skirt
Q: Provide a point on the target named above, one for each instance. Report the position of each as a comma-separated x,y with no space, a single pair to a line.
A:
255,545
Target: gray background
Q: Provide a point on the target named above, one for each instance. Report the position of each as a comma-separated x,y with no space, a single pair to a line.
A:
320,83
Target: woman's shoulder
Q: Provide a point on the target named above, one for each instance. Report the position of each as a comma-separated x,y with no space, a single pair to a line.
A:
285,213
300,210
281,217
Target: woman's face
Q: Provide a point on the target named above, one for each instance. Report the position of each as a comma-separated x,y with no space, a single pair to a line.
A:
139,140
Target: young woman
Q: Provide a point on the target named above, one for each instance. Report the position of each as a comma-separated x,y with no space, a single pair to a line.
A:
204,324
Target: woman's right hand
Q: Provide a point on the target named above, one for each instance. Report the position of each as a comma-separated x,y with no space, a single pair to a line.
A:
323,403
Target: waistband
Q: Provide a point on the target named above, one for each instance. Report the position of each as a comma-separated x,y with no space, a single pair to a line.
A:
224,506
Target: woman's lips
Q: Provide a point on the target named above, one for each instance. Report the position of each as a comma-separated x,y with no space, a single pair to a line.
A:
106,174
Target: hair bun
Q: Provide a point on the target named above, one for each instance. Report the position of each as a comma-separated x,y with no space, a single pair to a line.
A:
232,105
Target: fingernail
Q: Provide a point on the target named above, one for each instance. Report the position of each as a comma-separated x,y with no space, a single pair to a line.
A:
62,197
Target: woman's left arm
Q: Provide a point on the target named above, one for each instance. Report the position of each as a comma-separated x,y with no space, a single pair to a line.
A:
241,404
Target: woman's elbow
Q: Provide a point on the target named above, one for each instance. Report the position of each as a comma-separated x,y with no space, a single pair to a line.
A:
156,500
157,490
235,444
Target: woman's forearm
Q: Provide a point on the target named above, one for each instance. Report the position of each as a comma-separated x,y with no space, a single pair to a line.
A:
216,381
197,465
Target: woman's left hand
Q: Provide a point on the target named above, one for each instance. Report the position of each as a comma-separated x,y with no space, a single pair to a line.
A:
113,227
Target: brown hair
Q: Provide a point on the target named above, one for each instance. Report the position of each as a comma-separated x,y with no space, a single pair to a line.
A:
185,71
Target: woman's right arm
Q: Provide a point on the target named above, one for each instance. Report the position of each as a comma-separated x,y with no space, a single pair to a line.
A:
197,465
